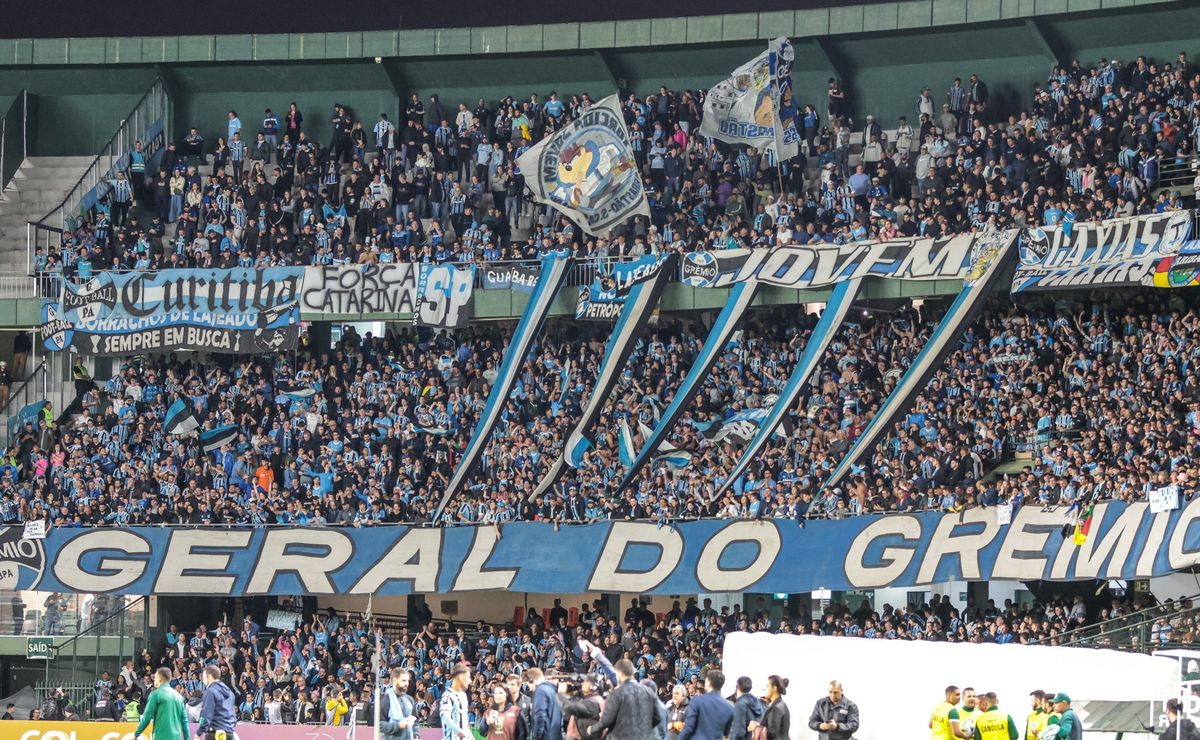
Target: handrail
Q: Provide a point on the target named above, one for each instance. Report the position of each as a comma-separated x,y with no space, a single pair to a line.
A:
96,159
1095,634
12,398
118,613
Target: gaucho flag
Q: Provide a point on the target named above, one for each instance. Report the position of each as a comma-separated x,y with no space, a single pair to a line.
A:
555,268
992,257
587,170
640,301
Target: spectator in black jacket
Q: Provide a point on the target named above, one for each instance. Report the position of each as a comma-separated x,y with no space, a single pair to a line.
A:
777,718
629,713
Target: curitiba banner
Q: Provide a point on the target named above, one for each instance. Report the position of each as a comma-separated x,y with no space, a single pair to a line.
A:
896,550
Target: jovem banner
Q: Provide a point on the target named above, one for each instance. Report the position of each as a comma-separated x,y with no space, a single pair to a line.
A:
896,550
232,311
802,266
1158,249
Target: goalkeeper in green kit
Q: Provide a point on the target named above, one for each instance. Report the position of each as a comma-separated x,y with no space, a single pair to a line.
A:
165,709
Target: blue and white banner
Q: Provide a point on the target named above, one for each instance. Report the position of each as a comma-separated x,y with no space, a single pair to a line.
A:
444,296
745,108
587,171
641,296
229,311
1127,541
604,297
822,335
818,266
1140,250
741,295
996,250
555,269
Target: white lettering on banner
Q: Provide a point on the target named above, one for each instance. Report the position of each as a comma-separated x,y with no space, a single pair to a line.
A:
1164,499
1177,557
281,553
608,575
472,576
946,542
187,569
763,537
1153,543
1111,544
416,557
111,573
894,559
1022,553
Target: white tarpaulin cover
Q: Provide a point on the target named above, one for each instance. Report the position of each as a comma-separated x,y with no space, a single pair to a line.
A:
897,683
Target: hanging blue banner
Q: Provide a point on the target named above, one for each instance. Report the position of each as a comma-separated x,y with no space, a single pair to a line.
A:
716,555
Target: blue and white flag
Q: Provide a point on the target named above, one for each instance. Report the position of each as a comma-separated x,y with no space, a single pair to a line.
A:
214,439
836,311
741,295
754,105
180,419
991,263
587,171
644,288
555,269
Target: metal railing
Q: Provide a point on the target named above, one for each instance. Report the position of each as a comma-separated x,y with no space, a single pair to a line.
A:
145,123
14,137
1135,631
73,665
1176,176
31,390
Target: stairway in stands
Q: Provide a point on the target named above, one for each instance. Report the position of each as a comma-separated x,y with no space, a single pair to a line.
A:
38,186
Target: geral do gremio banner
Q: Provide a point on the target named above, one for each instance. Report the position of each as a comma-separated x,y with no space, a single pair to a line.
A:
717,555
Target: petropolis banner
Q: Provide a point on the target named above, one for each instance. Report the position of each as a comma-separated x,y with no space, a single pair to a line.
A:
798,266
587,170
897,550
388,290
1155,250
233,311
604,298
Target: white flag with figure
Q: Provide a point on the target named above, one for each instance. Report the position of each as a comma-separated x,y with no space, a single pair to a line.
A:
587,170
754,105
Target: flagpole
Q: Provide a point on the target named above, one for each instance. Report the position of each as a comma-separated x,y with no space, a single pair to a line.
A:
378,664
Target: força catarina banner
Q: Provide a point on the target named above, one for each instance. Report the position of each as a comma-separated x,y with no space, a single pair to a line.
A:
230,311
716,555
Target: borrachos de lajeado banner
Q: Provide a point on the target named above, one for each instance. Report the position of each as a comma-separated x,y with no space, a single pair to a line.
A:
958,257
1158,250
1126,541
228,311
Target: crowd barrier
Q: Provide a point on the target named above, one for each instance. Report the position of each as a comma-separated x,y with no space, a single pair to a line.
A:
34,730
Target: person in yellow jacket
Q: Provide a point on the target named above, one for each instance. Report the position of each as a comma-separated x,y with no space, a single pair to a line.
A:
991,723
943,723
1036,722
335,708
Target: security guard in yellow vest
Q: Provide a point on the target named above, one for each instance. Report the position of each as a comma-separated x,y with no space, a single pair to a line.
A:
991,723
943,723
1036,721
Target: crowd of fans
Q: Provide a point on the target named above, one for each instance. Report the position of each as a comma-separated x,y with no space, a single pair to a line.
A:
322,670
1100,395
442,184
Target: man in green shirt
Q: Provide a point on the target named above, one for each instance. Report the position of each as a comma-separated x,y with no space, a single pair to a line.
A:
165,709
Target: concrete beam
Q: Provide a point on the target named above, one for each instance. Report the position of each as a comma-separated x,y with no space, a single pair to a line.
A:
616,71
1052,46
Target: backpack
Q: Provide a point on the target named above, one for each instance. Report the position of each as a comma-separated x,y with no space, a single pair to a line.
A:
50,708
